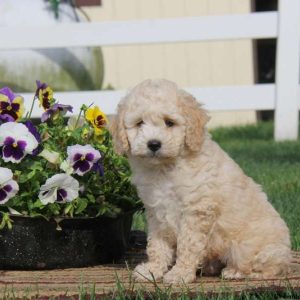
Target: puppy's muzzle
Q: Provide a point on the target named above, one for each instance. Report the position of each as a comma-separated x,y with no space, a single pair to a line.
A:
154,145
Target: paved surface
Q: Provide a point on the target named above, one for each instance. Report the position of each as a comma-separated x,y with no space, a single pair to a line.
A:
103,280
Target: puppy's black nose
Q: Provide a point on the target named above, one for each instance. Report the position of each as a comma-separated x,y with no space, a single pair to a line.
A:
154,145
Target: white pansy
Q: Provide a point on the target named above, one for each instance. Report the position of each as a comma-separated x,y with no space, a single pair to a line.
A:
8,187
82,158
59,188
16,141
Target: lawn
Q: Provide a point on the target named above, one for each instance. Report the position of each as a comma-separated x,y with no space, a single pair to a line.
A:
274,165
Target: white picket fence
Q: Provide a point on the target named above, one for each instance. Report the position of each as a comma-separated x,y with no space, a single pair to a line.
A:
283,96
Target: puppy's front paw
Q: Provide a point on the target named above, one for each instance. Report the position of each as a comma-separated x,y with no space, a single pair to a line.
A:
148,271
180,275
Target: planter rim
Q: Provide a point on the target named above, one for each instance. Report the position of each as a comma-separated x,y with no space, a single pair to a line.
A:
61,218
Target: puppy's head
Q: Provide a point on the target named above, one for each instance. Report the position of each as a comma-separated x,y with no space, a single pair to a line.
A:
157,121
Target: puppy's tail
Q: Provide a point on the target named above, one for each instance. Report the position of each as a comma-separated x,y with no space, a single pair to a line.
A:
294,268
294,265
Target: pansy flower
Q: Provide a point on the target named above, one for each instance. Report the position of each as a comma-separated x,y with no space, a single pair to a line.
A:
97,118
16,141
98,168
45,94
8,186
40,86
55,110
11,105
82,158
59,188
33,130
6,118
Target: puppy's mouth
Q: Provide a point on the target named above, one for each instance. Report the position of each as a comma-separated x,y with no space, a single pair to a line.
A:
157,159
154,154
158,156
150,154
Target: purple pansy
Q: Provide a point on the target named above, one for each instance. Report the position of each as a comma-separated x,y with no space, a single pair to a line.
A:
40,86
14,148
82,158
11,105
59,188
98,168
55,110
8,186
33,130
16,141
45,94
6,118
8,93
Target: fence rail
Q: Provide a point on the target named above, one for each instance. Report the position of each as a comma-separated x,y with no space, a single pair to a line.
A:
283,96
193,29
256,97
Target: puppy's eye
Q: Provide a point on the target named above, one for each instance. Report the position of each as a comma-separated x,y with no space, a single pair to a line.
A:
140,123
169,123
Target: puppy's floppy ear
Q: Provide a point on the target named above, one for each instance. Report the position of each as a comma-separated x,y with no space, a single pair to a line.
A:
118,131
195,118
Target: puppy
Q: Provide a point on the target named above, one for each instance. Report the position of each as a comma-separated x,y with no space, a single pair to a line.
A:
202,210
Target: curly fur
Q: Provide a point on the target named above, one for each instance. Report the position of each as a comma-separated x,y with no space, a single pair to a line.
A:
202,210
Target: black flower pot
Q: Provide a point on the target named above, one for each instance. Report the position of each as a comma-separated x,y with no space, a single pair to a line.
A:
34,243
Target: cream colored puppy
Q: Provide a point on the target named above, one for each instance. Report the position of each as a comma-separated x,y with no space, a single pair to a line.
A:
201,208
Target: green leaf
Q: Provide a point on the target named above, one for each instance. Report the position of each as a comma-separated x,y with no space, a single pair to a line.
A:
69,209
81,205
91,198
6,221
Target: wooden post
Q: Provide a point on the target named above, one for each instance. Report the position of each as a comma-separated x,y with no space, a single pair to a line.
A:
287,71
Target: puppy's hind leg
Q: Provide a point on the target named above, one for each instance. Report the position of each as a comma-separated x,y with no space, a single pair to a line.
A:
273,260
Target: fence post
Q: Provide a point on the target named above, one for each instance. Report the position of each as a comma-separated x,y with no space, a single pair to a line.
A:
287,71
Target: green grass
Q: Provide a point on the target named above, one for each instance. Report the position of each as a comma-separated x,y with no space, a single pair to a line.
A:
223,294
121,292
274,165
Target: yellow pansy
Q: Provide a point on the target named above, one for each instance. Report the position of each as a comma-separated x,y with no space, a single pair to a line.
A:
11,105
46,97
97,118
